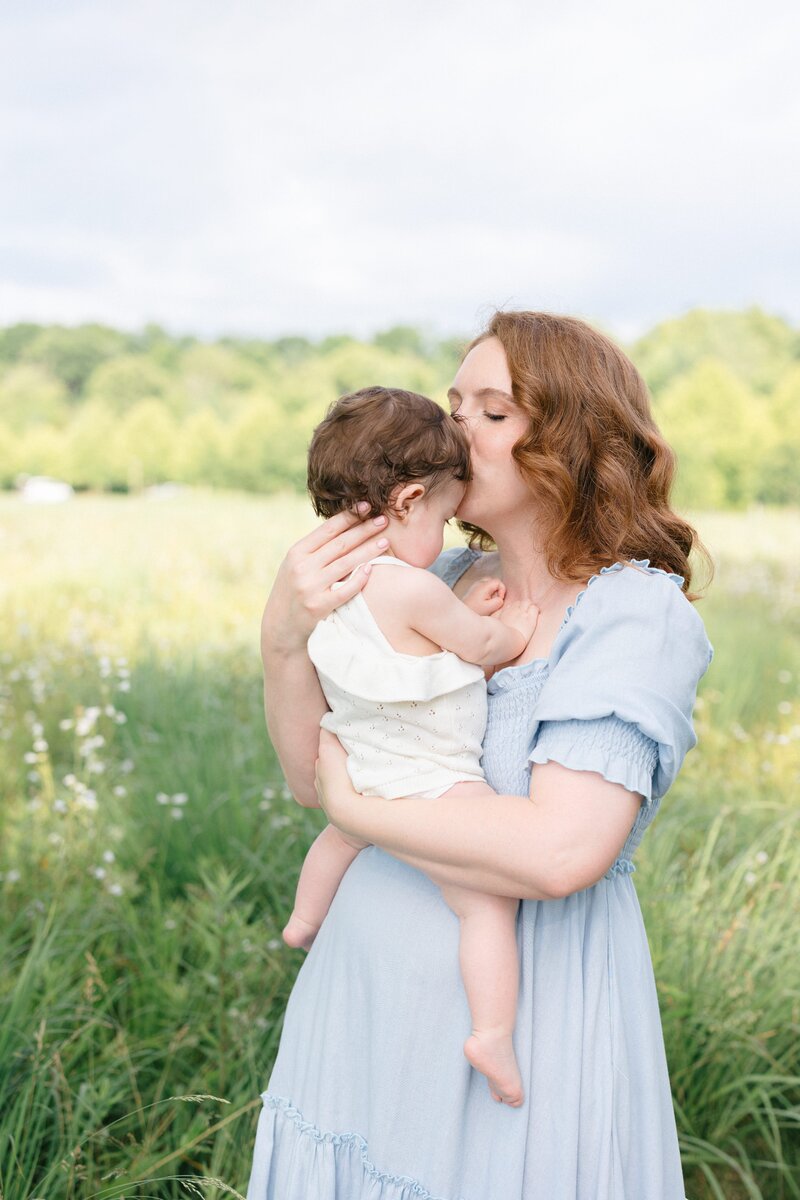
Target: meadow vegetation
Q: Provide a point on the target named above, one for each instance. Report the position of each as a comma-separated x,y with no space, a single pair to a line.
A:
150,850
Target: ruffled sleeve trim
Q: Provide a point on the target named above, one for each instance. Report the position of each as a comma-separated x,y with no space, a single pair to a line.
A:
615,749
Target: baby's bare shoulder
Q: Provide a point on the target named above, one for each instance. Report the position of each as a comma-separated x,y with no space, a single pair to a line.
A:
404,587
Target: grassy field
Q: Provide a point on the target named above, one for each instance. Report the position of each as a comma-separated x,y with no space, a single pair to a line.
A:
149,854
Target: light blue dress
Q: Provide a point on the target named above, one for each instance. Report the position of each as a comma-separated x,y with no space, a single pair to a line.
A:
371,1097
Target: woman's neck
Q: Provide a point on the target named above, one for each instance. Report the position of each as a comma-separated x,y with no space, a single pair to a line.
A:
524,571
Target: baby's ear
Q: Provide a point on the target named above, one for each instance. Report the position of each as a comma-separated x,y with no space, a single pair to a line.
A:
403,498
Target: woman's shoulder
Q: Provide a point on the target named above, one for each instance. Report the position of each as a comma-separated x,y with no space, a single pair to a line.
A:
633,599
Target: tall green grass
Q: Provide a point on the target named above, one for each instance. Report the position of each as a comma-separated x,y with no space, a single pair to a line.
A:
146,876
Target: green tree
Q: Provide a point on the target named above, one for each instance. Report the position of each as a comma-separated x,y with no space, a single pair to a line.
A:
41,450
718,429
29,395
9,456
71,355
122,382
403,339
15,338
218,378
756,347
202,450
780,475
93,448
147,444
267,448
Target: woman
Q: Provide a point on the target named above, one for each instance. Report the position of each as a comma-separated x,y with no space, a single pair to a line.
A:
587,730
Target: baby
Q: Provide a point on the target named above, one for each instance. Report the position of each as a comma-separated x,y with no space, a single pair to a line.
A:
401,665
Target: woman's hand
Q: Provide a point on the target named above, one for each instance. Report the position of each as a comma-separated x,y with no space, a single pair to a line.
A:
338,798
301,594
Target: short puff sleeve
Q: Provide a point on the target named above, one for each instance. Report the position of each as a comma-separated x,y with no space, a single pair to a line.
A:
623,679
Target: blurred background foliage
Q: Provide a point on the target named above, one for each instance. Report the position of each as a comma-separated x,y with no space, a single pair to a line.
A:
114,411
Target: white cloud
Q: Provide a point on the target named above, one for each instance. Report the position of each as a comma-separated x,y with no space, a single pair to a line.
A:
261,169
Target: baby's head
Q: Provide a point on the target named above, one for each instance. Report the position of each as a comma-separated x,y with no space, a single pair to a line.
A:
397,450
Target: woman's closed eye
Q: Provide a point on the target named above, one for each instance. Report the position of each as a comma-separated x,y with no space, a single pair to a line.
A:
457,416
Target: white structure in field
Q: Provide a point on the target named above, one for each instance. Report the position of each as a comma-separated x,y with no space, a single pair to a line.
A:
40,489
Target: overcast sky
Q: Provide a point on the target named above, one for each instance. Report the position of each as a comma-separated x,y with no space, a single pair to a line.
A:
266,168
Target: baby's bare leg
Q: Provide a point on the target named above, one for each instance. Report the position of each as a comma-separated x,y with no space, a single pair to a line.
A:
490,970
326,862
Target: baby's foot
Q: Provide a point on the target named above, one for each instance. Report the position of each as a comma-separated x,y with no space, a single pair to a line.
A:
492,1053
299,934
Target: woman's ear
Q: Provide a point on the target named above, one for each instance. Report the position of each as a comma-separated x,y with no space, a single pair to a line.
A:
403,499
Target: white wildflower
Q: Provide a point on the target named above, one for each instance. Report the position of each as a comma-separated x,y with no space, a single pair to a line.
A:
750,878
785,707
169,923
66,723
60,806
180,798
124,686
162,798
115,889
30,757
126,766
762,857
13,876
40,746
108,856
99,872
274,944
119,790
176,814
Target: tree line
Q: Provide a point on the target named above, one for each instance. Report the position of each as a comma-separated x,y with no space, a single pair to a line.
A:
105,409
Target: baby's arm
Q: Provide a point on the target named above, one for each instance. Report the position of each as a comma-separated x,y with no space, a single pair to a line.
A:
433,610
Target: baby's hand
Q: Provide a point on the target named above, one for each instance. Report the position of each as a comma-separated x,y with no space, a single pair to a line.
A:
521,615
485,597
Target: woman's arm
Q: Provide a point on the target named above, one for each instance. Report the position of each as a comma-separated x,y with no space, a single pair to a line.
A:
301,595
559,840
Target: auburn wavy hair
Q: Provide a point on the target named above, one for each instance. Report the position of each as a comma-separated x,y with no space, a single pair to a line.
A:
594,457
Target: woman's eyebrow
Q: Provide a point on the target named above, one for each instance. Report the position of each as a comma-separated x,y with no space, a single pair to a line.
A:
487,393
494,394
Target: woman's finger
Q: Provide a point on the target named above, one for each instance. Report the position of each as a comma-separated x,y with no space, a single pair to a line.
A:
341,568
336,536
331,527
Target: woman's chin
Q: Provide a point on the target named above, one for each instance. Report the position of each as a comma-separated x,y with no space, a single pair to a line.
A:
466,512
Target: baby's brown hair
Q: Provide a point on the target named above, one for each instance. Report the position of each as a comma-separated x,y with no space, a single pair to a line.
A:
375,439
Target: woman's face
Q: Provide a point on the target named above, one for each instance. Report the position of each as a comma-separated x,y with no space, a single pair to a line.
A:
481,401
